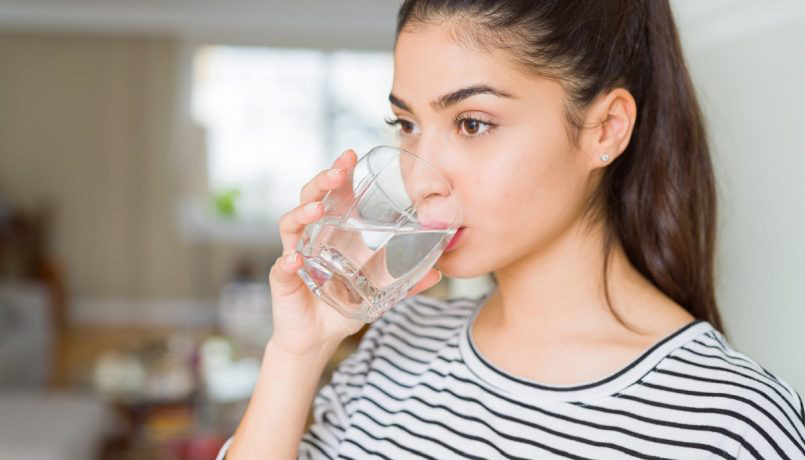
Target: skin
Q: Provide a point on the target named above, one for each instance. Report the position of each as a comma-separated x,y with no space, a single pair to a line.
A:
523,184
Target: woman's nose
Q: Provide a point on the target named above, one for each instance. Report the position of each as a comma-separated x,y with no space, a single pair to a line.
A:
422,177
429,190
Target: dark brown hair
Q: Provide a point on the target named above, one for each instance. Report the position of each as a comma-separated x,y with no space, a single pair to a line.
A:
658,198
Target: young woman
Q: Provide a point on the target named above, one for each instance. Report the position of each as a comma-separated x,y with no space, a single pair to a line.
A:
570,131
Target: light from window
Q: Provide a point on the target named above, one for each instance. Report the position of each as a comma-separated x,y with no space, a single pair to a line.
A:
275,117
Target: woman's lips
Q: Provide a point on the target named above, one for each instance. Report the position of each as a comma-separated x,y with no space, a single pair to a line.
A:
454,241
434,224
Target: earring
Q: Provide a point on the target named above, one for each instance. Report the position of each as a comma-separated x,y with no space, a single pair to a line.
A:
605,158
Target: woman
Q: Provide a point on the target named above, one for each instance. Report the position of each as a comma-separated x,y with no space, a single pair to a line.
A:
571,133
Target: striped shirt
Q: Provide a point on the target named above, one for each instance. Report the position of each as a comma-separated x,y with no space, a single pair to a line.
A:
418,387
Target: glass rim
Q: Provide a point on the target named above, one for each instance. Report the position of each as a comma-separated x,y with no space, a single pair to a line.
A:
400,149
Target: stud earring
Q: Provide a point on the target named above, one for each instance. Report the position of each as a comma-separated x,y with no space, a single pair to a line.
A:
605,158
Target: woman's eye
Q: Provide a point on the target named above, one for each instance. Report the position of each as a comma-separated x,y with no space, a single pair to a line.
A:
473,127
406,127
468,126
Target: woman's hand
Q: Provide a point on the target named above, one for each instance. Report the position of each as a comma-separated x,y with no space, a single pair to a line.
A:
303,323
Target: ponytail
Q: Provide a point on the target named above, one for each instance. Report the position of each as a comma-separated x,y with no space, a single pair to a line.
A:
662,197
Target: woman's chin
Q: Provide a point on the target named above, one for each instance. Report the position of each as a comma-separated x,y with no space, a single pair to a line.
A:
452,264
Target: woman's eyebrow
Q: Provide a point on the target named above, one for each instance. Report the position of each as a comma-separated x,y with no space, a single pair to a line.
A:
454,97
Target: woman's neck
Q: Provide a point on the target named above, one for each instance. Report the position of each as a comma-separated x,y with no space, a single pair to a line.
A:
559,291
548,319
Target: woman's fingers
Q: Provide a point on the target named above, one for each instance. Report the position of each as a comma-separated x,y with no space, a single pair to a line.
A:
293,222
328,180
321,184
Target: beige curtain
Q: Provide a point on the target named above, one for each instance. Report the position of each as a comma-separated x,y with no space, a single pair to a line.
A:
87,123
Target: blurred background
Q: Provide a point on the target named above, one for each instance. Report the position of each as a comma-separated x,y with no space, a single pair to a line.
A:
148,147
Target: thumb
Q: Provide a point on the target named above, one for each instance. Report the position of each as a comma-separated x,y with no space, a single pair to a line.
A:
283,278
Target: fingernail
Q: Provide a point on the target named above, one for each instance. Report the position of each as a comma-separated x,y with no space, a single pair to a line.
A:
339,157
310,207
334,172
290,259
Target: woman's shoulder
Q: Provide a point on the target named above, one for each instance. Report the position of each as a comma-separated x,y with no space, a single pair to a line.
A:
710,366
715,348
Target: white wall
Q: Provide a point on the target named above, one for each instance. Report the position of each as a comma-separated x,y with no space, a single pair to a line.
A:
365,24
750,82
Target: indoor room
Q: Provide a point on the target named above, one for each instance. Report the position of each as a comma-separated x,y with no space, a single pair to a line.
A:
149,149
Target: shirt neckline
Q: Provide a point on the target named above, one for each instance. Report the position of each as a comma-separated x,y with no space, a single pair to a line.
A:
609,385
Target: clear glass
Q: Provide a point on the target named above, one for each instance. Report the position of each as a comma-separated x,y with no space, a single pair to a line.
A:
380,233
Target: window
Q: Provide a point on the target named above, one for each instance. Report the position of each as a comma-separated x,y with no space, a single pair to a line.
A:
275,117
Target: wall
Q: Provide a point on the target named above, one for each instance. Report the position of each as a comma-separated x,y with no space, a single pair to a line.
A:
751,91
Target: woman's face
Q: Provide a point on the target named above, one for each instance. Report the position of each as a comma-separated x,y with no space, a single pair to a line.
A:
499,137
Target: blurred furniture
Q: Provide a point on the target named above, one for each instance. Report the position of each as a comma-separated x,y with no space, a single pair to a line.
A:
35,423
49,426
244,311
25,334
32,296
168,416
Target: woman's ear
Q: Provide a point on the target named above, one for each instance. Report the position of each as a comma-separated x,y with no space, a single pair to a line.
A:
610,119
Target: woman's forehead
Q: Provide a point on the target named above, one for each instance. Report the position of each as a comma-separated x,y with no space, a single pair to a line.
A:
437,44
428,63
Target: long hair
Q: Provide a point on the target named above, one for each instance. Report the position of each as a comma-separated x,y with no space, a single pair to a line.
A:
658,198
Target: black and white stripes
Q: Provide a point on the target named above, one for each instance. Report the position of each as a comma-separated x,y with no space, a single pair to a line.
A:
417,387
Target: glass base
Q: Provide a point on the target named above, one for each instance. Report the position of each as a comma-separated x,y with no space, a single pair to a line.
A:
325,282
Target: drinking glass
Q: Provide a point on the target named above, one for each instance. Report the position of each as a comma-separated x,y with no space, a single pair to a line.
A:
381,232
